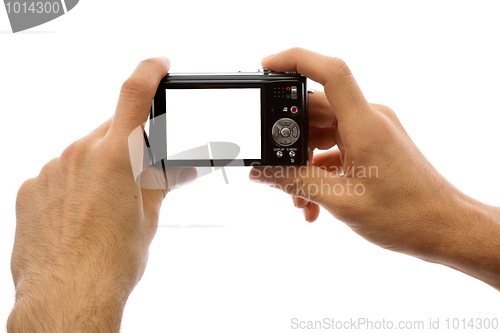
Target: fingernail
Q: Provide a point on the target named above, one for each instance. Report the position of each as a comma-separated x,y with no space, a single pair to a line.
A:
185,177
269,56
305,213
262,176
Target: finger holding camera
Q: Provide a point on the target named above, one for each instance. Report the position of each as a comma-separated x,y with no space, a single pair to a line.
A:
377,181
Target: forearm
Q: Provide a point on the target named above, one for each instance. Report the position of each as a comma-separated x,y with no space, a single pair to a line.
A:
60,313
475,248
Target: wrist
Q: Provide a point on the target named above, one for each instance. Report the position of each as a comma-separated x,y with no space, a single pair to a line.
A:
473,243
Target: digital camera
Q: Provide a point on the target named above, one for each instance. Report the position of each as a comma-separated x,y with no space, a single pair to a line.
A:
230,119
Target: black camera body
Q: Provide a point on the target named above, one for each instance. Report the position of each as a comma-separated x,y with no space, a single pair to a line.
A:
230,119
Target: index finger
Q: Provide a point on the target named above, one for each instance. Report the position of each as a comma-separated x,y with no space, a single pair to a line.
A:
341,88
137,94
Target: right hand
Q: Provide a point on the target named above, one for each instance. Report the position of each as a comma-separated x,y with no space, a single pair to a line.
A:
376,180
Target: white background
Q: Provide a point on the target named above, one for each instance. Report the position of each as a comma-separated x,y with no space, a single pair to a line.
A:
198,116
258,264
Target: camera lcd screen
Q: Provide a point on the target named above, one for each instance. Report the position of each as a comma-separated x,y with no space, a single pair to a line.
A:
197,117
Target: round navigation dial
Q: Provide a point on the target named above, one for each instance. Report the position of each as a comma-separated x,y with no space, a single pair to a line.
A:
285,132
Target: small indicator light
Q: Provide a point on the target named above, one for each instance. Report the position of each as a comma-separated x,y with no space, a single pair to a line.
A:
287,95
288,88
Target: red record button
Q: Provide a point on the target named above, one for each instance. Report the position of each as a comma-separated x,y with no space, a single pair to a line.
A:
294,109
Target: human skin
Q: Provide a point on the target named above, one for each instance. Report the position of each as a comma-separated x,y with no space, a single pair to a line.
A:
404,205
84,226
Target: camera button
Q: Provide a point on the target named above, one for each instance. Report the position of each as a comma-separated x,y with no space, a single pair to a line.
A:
294,109
276,131
279,153
286,141
291,153
285,132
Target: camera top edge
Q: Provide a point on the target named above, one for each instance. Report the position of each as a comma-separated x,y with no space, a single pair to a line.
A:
263,74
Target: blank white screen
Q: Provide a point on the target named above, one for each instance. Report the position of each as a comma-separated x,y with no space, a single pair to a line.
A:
196,117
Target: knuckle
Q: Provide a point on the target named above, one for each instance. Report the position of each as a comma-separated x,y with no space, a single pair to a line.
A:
113,151
26,188
296,50
31,186
74,152
135,88
337,67
387,121
385,110
49,167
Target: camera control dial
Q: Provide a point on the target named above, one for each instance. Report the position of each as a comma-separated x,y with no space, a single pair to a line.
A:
286,132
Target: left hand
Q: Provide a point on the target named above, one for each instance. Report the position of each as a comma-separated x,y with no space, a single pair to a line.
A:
84,226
